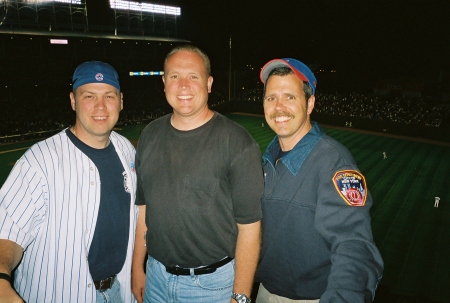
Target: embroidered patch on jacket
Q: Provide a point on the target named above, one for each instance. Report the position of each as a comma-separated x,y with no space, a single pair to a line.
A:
351,185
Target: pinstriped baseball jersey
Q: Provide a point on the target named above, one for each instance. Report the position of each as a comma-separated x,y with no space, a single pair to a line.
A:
49,205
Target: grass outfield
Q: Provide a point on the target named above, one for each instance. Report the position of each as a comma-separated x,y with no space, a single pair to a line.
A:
412,235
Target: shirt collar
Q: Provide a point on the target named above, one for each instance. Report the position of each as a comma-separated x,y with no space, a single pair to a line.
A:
295,158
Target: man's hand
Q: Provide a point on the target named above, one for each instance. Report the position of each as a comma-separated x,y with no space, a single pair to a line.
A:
138,284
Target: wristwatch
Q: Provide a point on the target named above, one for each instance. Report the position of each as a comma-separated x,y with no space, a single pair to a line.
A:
241,298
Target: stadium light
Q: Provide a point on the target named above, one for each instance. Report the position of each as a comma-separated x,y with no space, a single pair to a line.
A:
46,1
145,7
59,41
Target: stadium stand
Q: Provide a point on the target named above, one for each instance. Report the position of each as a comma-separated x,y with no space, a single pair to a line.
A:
414,116
35,74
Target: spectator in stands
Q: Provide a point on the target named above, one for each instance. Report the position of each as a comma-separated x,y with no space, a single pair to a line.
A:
64,199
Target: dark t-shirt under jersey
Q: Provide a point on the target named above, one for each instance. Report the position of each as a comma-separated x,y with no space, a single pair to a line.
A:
108,249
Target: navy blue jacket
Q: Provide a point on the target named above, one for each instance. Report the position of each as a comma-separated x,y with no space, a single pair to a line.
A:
317,237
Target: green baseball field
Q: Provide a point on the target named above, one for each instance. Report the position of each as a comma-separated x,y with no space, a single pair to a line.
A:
405,178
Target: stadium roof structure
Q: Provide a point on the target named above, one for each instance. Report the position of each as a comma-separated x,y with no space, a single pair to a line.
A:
98,35
130,20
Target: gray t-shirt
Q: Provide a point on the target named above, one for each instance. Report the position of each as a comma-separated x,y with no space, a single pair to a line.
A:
197,185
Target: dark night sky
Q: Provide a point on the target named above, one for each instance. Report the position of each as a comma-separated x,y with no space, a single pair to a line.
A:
361,39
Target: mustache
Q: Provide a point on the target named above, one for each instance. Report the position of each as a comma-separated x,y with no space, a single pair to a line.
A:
281,114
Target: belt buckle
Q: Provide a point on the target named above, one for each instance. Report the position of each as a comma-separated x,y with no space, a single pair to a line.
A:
101,283
208,269
104,283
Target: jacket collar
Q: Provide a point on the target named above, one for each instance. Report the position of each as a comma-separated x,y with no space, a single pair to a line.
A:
295,158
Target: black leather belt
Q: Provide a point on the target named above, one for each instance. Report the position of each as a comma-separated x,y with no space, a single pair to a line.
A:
180,271
105,284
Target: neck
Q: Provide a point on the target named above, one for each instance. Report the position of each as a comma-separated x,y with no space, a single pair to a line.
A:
95,144
190,123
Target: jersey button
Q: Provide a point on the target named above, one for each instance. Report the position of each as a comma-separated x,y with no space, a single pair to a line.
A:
92,168
92,183
89,285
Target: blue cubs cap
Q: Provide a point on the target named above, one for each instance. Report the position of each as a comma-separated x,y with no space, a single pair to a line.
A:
300,69
95,72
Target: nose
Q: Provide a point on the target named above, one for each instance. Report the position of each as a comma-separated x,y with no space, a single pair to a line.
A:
279,103
183,83
100,104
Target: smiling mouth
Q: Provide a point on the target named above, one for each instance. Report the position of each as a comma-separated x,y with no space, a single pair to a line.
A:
281,117
185,97
99,118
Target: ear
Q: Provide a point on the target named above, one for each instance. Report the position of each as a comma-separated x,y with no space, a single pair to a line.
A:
310,104
164,81
210,82
121,101
72,100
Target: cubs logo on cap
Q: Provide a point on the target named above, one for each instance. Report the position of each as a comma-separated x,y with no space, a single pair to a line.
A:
351,186
99,77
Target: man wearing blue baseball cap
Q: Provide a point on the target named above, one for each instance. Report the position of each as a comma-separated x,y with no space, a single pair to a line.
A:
317,238
67,208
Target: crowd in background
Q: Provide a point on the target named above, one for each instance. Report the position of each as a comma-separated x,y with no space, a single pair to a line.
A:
421,111
45,114
29,120
31,103
406,110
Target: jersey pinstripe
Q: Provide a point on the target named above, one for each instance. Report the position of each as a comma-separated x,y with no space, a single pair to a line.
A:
49,205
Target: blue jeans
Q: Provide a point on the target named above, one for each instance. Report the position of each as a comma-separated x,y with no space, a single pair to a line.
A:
111,295
163,287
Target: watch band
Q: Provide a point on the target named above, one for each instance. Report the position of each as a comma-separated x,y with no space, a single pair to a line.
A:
241,298
5,276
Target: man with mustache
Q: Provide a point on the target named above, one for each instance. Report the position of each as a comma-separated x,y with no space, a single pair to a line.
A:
317,238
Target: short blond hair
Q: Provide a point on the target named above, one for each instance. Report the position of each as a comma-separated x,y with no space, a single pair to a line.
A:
192,49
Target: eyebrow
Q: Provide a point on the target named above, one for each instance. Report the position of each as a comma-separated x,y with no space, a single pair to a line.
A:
192,72
284,94
94,92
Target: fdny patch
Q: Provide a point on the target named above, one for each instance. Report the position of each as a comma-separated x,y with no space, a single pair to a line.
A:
351,185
